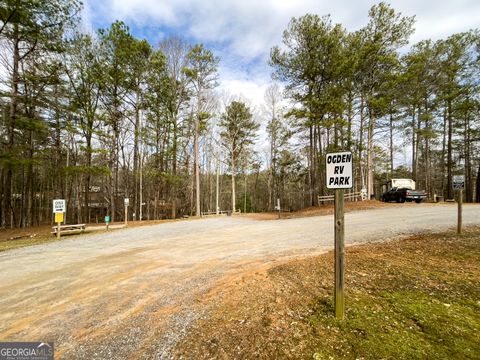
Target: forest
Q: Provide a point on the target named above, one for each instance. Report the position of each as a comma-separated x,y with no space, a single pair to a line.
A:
96,117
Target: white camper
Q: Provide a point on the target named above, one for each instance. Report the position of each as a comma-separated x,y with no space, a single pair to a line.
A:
399,183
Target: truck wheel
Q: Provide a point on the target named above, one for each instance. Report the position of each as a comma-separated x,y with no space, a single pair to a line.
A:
401,199
418,201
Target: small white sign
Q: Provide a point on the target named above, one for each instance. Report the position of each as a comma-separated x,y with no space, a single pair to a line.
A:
458,182
126,201
339,170
58,206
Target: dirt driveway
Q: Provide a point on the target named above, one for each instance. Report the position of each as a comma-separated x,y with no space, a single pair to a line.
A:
132,293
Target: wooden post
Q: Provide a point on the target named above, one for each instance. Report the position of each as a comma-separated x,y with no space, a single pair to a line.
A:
217,188
339,254
278,207
245,199
140,155
59,216
459,219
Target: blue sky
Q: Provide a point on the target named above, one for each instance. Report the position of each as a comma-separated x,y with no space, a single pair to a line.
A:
242,32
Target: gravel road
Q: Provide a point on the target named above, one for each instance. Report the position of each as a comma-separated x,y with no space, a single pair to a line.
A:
132,293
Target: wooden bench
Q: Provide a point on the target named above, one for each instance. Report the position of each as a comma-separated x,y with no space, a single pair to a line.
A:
68,229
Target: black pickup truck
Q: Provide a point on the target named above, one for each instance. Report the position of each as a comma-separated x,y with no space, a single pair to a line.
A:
401,195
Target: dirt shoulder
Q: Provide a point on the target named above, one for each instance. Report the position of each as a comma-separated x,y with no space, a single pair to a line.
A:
411,298
326,209
18,237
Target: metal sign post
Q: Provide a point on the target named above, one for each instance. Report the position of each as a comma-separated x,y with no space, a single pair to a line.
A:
458,183
339,177
107,221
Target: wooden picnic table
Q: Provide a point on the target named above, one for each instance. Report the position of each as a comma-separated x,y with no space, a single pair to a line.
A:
66,229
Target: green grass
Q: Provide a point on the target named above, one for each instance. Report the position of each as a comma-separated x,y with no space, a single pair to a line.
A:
421,304
402,325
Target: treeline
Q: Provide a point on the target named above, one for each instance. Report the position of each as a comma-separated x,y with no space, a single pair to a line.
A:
364,92
96,118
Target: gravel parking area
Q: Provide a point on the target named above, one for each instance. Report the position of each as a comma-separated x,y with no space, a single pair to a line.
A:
133,292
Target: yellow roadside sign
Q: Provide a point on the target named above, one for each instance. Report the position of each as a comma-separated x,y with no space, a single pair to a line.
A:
59,217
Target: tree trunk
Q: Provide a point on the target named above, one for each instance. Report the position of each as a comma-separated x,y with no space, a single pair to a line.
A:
444,146
449,151
350,119
468,164
315,171
321,165
217,189
477,190
29,192
136,130
173,197
2,194
360,145
417,149
370,154
414,144
88,176
197,167
391,143
7,187
254,205
311,172
112,182
245,196
140,212
233,184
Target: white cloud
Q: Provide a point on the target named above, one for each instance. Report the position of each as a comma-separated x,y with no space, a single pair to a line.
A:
245,88
244,31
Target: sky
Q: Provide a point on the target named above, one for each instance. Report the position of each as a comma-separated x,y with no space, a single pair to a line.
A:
242,32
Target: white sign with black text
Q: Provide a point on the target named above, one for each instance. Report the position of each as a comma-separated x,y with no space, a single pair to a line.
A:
339,170
458,182
58,206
